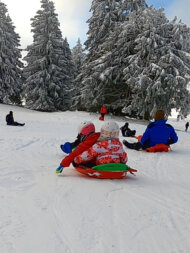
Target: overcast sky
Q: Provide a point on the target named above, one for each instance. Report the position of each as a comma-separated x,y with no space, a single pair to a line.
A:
73,14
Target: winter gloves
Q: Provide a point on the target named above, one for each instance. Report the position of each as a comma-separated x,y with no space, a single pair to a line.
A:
66,147
59,169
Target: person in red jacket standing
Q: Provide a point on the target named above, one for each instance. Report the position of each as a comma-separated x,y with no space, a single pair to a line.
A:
87,136
103,111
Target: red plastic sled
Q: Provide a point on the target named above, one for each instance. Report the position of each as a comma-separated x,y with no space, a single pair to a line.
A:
158,148
101,118
104,174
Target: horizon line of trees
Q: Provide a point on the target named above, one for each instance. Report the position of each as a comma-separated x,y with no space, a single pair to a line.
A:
135,61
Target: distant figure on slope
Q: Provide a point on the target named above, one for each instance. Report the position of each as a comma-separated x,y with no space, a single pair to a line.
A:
157,132
10,120
186,126
107,149
103,111
126,131
85,139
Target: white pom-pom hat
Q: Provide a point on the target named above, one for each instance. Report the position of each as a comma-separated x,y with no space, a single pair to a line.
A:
110,129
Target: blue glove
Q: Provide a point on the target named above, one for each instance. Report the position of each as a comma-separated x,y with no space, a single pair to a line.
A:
59,169
66,147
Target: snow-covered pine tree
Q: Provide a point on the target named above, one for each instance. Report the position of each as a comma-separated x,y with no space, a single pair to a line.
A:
103,20
10,64
78,56
112,88
158,71
101,77
181,61
48,81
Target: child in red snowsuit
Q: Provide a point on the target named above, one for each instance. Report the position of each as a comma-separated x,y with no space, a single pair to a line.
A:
88,137
107,149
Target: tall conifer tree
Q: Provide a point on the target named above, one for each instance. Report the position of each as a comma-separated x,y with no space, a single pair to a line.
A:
10,64
158,71
100,71
103,20
48,78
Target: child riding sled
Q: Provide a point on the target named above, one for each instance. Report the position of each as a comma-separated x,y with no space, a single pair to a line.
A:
107,149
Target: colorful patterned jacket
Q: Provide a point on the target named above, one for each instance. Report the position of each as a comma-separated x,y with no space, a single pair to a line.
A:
102,152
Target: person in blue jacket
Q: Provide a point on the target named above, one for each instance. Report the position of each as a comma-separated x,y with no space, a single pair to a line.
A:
157,132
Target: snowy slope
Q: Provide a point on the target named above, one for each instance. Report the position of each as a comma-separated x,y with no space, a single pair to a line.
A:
43,212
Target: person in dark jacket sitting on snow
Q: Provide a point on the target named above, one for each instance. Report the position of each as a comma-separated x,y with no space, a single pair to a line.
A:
126,131
157,132
10,120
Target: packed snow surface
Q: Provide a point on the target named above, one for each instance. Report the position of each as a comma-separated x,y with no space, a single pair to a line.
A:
42,212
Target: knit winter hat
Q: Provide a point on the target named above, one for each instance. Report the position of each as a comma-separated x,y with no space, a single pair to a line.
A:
109,130
86,127
159,115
